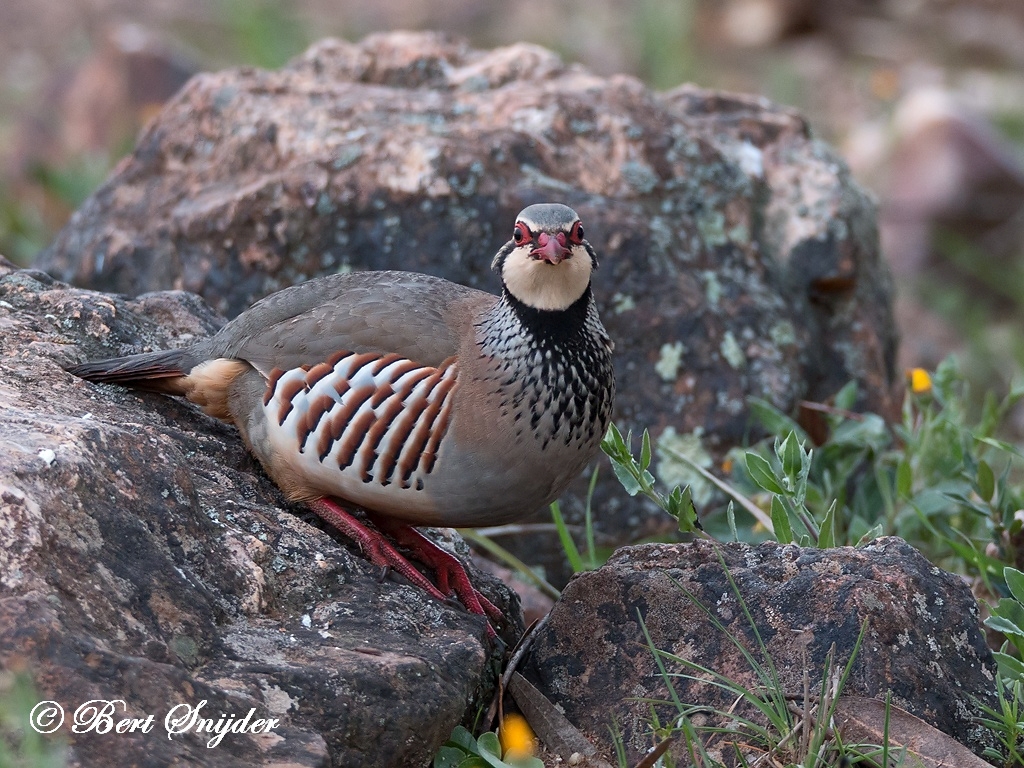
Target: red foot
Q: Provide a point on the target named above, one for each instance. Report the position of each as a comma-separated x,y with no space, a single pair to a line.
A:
451,573
378,550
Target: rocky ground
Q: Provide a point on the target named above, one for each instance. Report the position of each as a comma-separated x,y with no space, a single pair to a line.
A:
146,557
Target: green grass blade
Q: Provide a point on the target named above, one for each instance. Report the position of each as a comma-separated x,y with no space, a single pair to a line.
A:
511,561
568,545
589,520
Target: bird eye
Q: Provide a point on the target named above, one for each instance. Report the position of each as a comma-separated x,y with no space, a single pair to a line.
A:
520,234
576,234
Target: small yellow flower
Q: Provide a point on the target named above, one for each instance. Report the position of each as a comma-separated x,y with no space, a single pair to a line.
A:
727,465
920,381
516,736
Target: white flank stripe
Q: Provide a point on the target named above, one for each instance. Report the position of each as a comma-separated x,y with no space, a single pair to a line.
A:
423,392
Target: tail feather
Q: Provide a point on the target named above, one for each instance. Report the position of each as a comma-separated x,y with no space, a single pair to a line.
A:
163,371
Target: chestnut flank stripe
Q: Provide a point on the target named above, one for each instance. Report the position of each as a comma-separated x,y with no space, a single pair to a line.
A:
286,396
330,431
311,419
381,426
341,415
275,376
384,362
409,457
436,426
316,373
354,436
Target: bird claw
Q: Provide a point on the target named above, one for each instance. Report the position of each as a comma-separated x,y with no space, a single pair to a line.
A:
450,572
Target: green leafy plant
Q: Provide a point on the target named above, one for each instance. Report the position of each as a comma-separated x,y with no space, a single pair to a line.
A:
635,476
1007,720
20,745
787,480
1007,723
940,477
929,478
1007,617
463,751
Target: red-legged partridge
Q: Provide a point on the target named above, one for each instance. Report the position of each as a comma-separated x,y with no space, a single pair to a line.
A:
421,401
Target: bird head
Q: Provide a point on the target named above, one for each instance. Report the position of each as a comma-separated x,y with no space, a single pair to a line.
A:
547,264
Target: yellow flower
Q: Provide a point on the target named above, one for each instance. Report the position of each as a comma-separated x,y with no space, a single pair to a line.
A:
516,736
920,381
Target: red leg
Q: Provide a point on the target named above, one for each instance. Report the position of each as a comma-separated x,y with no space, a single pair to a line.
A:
380,551
450,571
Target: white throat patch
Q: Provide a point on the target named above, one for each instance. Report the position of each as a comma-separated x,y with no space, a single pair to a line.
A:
546,286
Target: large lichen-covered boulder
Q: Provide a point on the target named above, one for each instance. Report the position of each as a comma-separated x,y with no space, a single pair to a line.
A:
912,630
145,558
739,258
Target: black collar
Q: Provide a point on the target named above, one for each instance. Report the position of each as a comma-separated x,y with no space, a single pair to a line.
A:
552,324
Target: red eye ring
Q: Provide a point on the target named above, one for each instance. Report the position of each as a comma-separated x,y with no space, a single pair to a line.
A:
576,233
521,234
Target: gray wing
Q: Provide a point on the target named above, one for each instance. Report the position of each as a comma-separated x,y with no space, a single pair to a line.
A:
417,316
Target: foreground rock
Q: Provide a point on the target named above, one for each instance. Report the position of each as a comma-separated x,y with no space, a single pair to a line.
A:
739,258
922,639
145,557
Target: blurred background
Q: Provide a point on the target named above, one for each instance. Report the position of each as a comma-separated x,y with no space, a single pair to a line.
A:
924,99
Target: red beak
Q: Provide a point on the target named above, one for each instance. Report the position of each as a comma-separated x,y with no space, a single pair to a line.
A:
551,249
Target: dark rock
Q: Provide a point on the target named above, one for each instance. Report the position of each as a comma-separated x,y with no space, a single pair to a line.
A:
923,641
739,257
144,556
